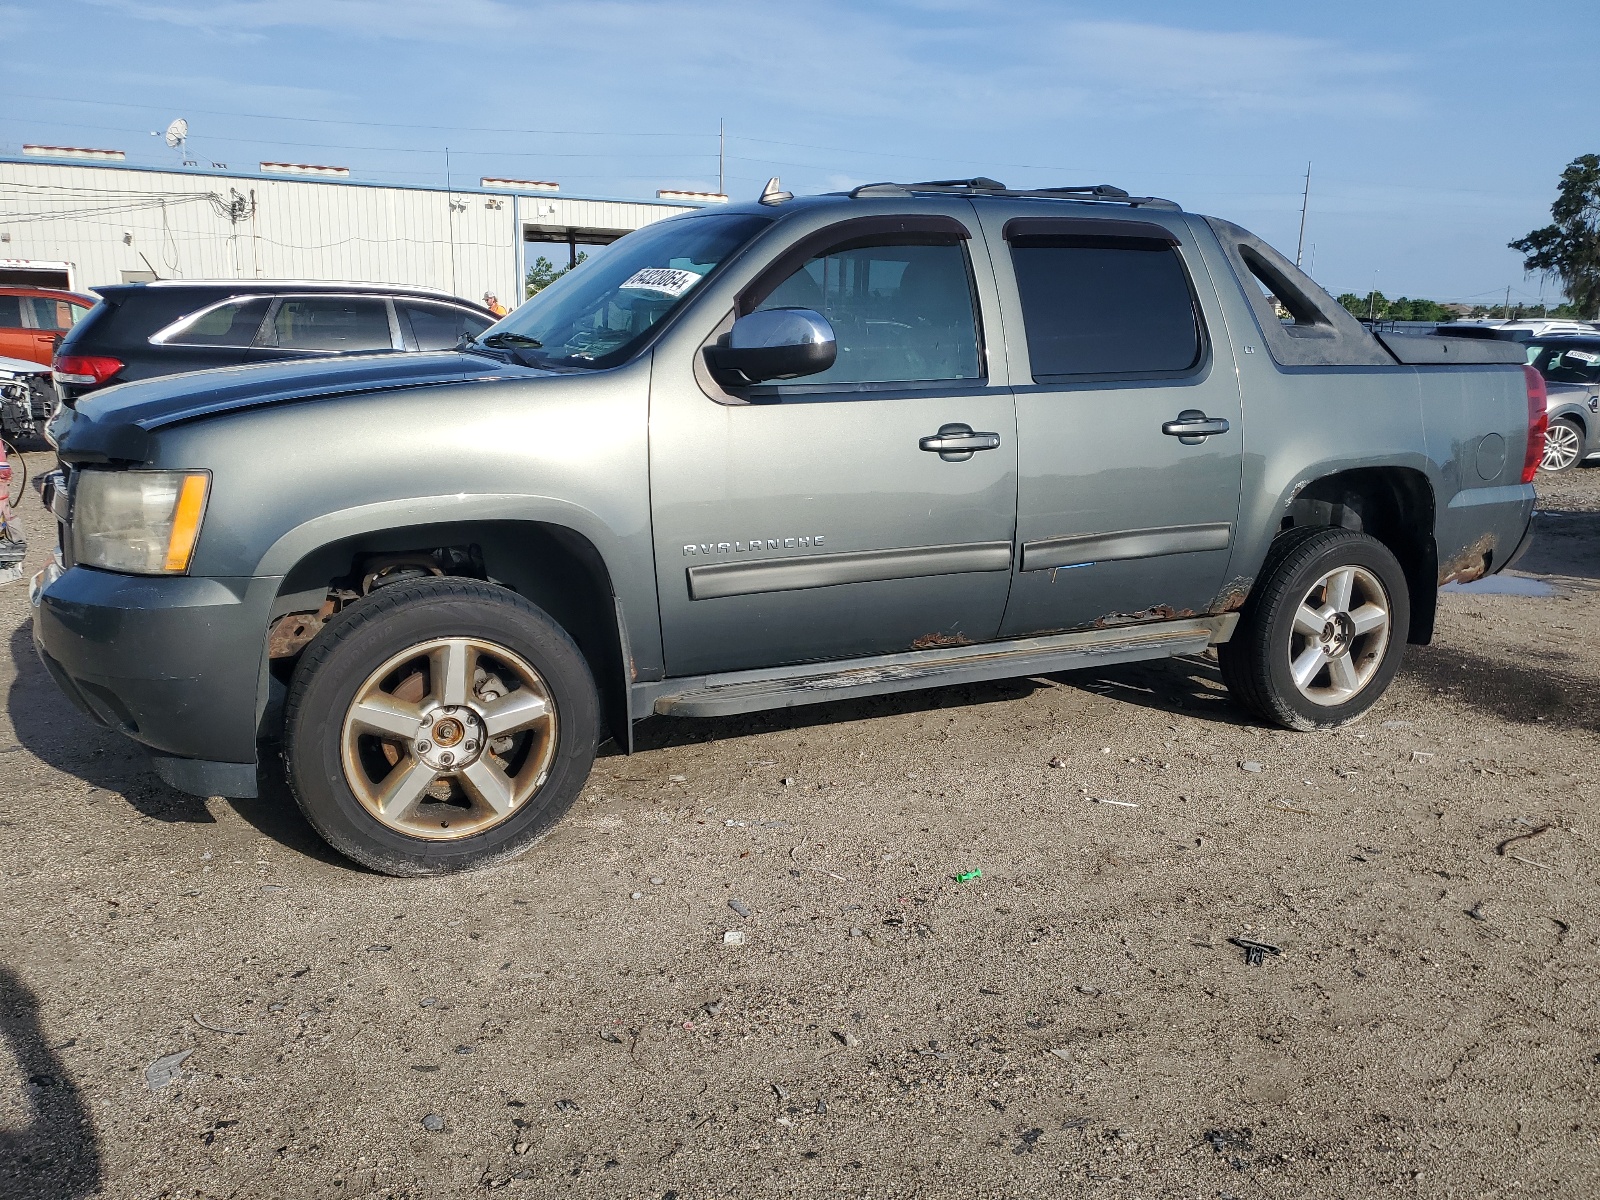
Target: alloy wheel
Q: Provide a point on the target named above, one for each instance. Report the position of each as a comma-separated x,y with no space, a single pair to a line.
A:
449,738
1561,447
1341,629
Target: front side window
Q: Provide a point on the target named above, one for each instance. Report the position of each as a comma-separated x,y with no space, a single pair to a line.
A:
1097,306
439,326
1566,364
598,314
10,312
345,323
233,324
901,307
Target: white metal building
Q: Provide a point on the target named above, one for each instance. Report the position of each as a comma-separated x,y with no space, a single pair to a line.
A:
114,223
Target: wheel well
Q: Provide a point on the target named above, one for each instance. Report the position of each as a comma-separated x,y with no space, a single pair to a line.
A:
555,568
1395,505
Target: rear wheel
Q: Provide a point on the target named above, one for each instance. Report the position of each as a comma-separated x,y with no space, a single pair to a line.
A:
1322,635
1563,445
439,725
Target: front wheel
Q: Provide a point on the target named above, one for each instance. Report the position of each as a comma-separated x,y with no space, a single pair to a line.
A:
439,725
1563,445
1322,635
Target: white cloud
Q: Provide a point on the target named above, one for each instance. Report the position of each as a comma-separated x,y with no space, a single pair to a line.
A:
1228,72
408,19
963,61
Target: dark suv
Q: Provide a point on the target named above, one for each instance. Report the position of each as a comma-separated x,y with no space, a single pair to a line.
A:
141,330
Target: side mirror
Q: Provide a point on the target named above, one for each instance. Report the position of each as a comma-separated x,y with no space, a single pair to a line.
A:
775,343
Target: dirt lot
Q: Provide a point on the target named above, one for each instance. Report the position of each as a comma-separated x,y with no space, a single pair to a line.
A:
1076,1022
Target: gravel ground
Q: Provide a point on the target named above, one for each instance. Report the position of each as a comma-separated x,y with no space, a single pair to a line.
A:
1075,1022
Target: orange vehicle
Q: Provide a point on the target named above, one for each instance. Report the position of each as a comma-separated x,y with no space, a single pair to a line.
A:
33,320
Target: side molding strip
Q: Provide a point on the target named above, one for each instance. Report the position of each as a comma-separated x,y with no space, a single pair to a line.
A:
1132,543
826,570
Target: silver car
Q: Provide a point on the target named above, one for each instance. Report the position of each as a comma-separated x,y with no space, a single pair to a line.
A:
1571,370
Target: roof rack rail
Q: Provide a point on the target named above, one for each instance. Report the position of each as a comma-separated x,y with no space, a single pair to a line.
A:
1103,193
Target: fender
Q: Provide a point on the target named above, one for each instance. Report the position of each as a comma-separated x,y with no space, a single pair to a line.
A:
629,568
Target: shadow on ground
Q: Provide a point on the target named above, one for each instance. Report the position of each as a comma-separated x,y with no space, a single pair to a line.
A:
1565,543
275,815
56,1154
1510,689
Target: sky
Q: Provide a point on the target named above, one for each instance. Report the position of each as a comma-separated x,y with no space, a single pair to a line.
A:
1436,132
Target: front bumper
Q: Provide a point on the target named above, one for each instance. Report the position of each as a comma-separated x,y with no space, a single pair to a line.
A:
172,662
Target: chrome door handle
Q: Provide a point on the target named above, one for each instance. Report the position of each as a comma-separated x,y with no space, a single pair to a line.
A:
1193,427
957,442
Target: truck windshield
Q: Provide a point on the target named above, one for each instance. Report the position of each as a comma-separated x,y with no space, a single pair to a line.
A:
597,314
1562,362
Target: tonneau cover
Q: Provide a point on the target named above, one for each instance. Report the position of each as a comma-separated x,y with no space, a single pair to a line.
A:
1425,349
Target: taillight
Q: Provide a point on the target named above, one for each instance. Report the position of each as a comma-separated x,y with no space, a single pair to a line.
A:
84,370
1538,423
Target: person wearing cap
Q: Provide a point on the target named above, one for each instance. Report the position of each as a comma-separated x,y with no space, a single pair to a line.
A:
492,303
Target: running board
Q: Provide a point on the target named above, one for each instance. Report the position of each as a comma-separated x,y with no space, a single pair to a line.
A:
816,683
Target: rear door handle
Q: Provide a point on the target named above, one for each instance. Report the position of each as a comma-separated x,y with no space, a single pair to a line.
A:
1193,427
957,442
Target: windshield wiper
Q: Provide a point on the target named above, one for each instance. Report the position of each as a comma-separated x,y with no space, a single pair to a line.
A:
506,339
472,345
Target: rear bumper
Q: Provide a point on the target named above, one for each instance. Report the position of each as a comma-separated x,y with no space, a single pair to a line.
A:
173,663
1482,530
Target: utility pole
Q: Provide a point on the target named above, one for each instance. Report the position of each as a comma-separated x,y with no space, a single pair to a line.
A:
1305,203
722,143
450,217
1507,309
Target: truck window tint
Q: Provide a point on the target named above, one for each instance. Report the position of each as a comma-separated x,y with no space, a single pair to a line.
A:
440,327
233,324
1105,306
11,312
901,313
330,323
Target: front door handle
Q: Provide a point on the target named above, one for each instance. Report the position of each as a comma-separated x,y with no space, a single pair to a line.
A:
1193,427
957,442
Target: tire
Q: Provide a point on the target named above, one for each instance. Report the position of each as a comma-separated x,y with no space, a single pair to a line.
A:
1299,570
439,725
19,472
1563,446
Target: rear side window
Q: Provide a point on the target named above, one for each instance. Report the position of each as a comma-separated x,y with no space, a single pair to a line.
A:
233,324
11,312
901,308
329,323
1098,305
440,326
53,316
1566,364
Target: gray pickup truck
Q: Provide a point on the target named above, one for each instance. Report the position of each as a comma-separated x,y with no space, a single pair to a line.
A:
768,455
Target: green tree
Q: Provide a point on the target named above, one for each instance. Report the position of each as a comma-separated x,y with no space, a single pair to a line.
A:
1569,247
544,272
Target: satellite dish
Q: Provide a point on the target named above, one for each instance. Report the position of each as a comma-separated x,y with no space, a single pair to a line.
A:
178,133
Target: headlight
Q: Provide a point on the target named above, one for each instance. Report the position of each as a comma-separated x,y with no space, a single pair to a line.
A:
138,522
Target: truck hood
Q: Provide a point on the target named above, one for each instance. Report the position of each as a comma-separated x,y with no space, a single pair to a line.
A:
114,424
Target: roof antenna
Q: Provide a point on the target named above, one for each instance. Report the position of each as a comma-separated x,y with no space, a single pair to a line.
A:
773,193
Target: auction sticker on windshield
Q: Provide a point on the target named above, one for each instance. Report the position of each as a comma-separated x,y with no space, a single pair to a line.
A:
667,280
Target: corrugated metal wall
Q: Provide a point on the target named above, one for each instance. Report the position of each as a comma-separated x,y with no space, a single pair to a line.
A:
212,225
